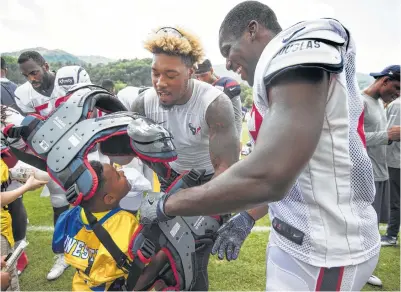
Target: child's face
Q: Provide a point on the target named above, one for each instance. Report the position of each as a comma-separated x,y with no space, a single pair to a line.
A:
117,186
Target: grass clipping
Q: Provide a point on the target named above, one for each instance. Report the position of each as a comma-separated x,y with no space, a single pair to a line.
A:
188,45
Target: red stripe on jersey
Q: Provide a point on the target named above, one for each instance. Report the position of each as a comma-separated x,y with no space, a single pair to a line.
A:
361,130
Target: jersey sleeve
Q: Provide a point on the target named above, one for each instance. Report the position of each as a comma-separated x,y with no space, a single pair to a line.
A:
22,98
312,53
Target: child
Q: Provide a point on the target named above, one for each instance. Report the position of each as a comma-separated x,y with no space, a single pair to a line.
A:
7,197
96,268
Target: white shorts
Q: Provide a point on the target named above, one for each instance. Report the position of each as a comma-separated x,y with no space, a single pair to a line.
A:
284,272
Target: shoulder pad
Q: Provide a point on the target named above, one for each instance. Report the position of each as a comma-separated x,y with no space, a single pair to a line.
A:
70,75
76,87
305,52
326,36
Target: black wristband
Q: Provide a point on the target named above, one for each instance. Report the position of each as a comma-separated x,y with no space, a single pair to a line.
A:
390,142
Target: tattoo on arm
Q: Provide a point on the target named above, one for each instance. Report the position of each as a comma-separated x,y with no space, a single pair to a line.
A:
223,140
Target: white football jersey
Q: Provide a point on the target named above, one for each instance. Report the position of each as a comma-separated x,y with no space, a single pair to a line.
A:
327,218
31,101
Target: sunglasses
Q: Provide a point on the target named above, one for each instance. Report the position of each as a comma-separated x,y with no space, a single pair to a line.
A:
201,74
170,31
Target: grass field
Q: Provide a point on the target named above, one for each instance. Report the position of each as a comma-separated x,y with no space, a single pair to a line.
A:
246,273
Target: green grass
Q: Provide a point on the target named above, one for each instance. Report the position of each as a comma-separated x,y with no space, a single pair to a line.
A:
246,273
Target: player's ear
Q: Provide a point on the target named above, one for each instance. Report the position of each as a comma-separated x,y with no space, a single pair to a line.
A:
46,65
191,72
109,199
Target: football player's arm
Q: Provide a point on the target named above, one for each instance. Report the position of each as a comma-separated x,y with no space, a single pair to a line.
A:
287,140
375,138
24,107
233,90
237,106
223,140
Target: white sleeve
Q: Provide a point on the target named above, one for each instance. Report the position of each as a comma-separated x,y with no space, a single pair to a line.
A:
22,99
393,114
305,53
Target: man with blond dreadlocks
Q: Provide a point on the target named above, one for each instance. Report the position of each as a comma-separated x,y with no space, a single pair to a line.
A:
199,116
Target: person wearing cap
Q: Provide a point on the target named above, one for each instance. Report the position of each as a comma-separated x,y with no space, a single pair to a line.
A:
229,86
7,88
393,163
109,85
385,88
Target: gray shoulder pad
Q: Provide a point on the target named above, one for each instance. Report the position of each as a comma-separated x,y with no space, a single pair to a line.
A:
305,53
327,36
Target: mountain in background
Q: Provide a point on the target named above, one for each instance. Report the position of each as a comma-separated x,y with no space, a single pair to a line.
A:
60,56
134,72
94,60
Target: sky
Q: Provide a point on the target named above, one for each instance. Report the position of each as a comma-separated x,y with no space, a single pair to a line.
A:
117,28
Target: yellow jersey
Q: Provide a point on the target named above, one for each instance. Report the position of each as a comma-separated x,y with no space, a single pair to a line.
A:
6,227
96,268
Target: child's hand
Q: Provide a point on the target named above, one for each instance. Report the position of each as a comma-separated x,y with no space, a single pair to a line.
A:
5,277
32,183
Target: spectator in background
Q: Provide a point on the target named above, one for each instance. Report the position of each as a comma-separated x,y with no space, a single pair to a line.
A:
229,86
7,88
385,88
109,85
393,163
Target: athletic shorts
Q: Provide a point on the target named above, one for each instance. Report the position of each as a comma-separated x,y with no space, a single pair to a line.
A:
284,272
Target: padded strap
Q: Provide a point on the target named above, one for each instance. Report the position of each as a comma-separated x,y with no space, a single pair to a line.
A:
120,258
29,159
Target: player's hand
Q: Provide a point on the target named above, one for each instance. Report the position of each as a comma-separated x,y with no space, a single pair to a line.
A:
232,235
394,133
32,183
152,208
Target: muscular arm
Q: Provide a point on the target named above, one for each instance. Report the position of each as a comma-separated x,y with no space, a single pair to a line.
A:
287,140
223,140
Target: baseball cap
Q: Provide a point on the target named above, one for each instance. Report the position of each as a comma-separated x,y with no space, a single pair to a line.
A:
206,66
392,71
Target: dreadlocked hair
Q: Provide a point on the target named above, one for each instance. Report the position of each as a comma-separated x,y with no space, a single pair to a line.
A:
187,46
